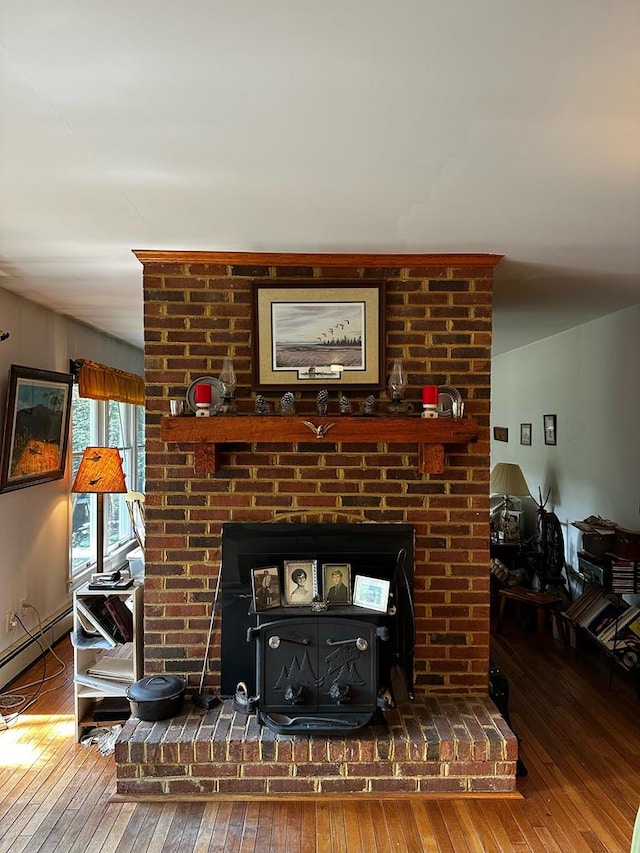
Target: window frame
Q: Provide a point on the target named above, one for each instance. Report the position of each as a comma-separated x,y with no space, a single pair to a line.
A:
101,415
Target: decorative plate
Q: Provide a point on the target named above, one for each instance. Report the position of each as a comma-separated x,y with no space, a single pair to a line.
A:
217,390
449,400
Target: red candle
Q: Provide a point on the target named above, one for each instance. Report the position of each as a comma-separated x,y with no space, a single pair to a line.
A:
202,393
430,395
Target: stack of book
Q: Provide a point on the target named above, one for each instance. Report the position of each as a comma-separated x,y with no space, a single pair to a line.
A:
625,576
585,609
111,675
107,616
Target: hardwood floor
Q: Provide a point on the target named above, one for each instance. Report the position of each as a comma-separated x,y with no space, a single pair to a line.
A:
579,740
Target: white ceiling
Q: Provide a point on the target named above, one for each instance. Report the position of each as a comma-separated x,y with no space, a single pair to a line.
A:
504,126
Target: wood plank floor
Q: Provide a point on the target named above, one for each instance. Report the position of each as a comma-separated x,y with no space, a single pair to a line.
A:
580,743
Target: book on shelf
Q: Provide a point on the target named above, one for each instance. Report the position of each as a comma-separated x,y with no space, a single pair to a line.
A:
625,576
593,611
589,597
121,615
98,606
604,619
613,634
112,708
92,623
627,645
112,668
111,586
104,685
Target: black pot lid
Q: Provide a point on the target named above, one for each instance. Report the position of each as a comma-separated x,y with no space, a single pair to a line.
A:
155,687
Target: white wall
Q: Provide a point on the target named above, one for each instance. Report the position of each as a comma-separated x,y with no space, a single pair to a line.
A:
589,377
34,522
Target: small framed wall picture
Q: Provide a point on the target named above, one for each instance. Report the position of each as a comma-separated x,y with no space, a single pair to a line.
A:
372,593
300,582
550,429
266,587
501,433
336,583
525,433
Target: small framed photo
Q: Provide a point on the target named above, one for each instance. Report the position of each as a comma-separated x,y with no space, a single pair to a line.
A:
300,582
501,433
372,593
550,433
266,587
525,433
336,583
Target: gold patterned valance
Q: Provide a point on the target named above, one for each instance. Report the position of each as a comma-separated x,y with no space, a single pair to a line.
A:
100,382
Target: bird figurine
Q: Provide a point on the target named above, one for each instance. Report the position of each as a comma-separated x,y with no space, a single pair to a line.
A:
319,430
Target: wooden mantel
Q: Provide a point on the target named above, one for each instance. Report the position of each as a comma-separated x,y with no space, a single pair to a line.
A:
312,259
431,435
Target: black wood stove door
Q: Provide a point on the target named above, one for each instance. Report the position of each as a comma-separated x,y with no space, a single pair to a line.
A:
317,673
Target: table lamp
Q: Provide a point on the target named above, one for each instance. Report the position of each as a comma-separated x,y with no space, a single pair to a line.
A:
507,479
100,473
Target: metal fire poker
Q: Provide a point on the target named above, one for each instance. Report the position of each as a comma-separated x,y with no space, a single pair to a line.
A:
207,700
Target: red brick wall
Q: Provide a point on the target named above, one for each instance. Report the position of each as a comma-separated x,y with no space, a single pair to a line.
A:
197,309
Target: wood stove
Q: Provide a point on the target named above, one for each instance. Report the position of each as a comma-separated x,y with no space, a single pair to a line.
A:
308,669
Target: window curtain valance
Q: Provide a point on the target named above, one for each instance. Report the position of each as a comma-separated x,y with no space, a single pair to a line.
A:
100,382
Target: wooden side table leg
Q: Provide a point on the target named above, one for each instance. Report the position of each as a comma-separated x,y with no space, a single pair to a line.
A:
503,603
542,619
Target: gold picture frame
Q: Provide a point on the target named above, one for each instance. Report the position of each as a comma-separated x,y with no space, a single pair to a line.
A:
36,427
316,335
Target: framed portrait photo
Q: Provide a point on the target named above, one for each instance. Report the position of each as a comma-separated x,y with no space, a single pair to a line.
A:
336,583
550,429
372,593
266,587
300,582
314,335
525,434
36,427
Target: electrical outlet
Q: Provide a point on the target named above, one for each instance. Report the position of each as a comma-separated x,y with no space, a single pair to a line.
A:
11,622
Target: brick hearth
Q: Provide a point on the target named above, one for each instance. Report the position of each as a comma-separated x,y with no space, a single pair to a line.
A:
431,745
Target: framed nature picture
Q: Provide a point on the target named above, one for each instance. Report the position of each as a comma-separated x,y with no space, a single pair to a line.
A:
300,582
501,433
550,434
336,583
314,335
525,433
36,427
266,587
372,593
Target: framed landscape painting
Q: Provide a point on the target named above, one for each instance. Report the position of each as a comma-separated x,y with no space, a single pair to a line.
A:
36,427
315,335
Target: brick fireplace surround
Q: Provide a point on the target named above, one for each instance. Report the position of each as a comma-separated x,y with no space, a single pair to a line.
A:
451,739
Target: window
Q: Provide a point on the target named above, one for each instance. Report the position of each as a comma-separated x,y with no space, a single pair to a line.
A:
104,424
